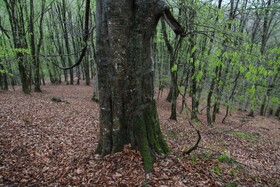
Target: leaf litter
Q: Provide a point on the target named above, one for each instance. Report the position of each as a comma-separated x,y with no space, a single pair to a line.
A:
46,143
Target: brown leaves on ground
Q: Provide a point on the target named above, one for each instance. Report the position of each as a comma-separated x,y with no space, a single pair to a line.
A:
46,143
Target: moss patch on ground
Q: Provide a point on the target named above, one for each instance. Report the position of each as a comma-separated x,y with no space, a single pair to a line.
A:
246,135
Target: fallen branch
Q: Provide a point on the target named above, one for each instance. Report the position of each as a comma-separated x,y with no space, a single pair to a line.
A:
58,100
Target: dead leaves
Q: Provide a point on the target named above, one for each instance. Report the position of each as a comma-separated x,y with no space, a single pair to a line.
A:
43,143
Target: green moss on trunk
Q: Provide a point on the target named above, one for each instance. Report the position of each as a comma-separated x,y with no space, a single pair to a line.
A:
156,140
142,141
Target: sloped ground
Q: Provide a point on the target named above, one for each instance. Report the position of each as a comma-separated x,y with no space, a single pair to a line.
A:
44,143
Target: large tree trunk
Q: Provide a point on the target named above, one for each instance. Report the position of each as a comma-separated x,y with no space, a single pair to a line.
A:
128,111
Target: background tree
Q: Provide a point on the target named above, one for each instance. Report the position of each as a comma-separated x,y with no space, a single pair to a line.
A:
16,15
35,50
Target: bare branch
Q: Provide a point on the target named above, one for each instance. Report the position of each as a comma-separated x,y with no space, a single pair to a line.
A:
5,31
173,23
77,63
197,142
85,38
79,60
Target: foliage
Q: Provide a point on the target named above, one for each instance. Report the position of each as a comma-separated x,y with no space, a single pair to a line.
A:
223,49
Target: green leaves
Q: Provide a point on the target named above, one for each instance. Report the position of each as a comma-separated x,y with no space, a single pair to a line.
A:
199,76
275,100
7,52
248,76
262,71
174,68
22,51
241,69
194,49
2,71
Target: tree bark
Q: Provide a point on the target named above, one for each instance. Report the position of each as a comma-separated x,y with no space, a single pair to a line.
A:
55,37
173,92
128,111
16,17
63,10
277,113
86,36
35,50
3,78
214,78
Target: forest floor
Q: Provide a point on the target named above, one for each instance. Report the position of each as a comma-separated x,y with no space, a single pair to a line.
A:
45,143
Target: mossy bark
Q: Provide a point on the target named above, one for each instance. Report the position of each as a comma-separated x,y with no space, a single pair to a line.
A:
125,67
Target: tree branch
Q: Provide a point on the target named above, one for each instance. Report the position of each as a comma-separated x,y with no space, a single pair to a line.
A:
85,38
165,37
197,142
79,60
173,23
5,31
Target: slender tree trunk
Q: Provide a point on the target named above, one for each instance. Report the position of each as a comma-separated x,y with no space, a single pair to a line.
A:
263,49
66,39
3,79
86,69
222,79
264,38
35,59
52,79
186,84
277,113
42,77
55,37
173,93
16,17
214,78
171,63
76,43
231,96
209,97
78,75
86,36
263,105
1,76
95,96
194,85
